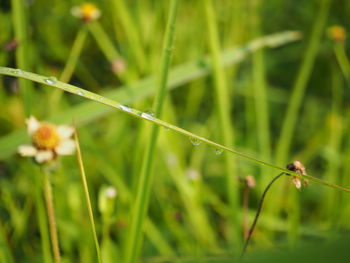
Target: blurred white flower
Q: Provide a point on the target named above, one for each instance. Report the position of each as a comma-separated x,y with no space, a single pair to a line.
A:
193,174
87,12
111,192
48,141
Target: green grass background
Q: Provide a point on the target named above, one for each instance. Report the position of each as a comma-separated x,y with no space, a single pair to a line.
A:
278,104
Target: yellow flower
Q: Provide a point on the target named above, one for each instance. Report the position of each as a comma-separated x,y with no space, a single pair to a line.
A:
48,141
337,33
87,12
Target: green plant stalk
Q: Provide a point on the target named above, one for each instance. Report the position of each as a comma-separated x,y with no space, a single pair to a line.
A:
5,252
223,100
42,221
179,75
51,216
336,137
19,22
343,60
289,123
145,180
290,120
87,195
104,42
138,114
260,96
123,14
151,231
74,55
70,64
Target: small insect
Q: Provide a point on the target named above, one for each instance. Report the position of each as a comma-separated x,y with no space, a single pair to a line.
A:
298,167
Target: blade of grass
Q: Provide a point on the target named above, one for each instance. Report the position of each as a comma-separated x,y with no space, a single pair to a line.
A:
86,192
223,102
138,114
123,14
290,121
70,64
88,111
51,216
145,181
19,21
74,55
5,252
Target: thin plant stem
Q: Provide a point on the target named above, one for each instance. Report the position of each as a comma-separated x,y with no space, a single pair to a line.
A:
5,251
74,55
87,195
343,60
51,216
285,139
19,21
131,32
245,211
289,123
223,102
139,114
70,65
251,230
145,180
42,220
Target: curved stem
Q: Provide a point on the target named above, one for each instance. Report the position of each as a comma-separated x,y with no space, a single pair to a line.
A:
251,230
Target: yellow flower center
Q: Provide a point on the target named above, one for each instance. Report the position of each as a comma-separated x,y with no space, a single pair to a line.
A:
88,11
337,33
46,137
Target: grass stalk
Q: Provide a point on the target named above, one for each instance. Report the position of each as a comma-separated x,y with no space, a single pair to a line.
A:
19,21
145,180
134,39
179,75
139,114
223,101
343,60
51,216
74,55
103,40
5,251
87,195
71,64
42,221
290,121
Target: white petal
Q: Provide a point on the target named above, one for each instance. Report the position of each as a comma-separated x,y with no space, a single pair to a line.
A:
43,156
96,14
27,150
76,11
65,131
296,182
66,147
32,124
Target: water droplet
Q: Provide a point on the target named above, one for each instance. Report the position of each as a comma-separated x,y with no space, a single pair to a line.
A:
80,93
195,141
149,115
167,128
51,80
19,71
218,151
125,108
101,98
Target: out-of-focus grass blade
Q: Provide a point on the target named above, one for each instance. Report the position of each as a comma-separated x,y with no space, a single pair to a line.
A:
179,75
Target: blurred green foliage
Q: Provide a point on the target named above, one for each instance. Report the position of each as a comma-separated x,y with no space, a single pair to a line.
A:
189,201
